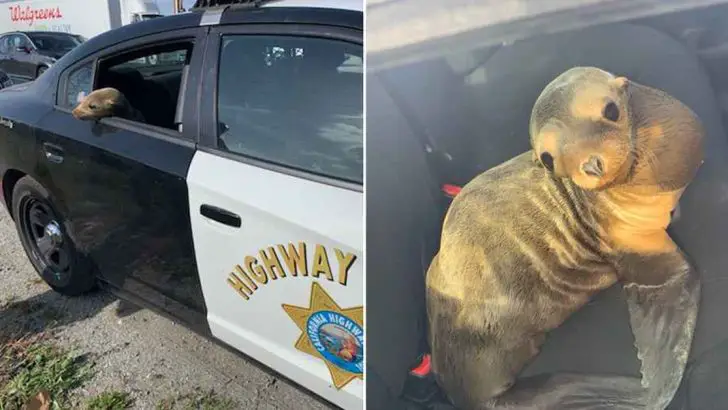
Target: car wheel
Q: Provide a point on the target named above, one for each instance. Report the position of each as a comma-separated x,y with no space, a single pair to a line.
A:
42,69
42,233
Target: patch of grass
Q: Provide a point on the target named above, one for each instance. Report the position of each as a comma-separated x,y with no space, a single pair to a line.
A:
13,348
29,365
111,400
208,400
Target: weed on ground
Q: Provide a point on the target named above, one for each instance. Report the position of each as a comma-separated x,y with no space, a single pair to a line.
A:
32,364
112,400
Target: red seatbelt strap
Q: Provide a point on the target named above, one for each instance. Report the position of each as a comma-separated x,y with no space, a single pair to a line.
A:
422,369
451,190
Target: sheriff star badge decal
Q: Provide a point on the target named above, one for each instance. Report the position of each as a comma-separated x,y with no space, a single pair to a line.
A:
332,334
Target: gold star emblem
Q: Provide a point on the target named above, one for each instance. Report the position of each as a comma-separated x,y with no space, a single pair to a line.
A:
332,334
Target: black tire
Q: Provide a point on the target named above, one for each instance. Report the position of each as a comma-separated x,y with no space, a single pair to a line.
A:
42,232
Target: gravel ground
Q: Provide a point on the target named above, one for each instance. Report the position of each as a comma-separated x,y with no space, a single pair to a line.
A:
134,349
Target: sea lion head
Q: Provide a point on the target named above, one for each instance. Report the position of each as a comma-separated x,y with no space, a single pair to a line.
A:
581,127
101,103
601,130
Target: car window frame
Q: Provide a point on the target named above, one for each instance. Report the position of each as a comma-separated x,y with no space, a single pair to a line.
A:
208,129
189,107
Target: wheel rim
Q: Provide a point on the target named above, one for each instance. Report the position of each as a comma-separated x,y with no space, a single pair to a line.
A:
46,240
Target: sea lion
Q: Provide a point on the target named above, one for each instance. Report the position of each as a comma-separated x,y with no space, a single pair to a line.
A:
106,102
529,242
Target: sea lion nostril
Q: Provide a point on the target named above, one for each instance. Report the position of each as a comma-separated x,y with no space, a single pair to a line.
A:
593,166
548,161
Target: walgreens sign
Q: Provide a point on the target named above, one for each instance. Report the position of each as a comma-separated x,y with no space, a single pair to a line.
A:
30,15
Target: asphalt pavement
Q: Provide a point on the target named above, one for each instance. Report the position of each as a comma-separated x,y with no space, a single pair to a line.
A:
134,349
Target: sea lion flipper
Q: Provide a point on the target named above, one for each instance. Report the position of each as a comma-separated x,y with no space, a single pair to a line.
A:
662,316
572,391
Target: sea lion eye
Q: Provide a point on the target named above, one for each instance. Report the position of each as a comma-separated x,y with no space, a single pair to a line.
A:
611,112
548,161
92,106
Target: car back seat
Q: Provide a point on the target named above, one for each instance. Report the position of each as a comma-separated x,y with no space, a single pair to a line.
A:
150,98
434,99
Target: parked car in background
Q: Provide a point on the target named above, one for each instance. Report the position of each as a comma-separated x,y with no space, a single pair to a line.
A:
24,55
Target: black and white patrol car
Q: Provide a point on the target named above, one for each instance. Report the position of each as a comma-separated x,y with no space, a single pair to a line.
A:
237,207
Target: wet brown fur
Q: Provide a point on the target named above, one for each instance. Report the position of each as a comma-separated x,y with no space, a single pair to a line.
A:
522,248
106,102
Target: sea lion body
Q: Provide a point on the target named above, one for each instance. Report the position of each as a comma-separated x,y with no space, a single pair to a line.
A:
522,278
529,242
106,102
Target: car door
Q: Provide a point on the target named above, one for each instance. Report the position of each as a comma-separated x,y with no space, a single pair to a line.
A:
276,201
121,184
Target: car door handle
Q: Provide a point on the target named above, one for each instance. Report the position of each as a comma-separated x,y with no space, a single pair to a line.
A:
220,215
53,153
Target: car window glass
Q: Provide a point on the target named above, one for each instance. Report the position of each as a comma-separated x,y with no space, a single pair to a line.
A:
79,84
19,41
23,41
54,42
4,49
293,101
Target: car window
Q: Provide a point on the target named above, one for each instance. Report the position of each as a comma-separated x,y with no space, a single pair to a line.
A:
79,84
4,45
54,42
19,41
150,79
24,42
14,42
293,101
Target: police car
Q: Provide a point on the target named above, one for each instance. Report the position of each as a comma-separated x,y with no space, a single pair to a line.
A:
236,207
